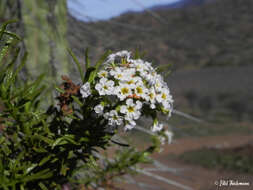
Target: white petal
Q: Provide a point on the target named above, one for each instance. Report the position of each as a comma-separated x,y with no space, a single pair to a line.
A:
123,109
129,102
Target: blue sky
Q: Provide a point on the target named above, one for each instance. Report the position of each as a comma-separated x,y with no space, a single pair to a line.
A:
106,9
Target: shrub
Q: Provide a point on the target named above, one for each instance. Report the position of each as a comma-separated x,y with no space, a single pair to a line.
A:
47,149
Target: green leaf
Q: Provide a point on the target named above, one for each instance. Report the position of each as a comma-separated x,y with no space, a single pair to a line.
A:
81,72
42,186
138,54
102,59
163,68
4,26
59,89
44,174
15,56
64,170
45,139
98,64
64,140
27,90
10,77
6,150
44,160
39,150
28,170
22,187
4,52
23,61
13,35
2,140
77,100
36,93
84,139
88,73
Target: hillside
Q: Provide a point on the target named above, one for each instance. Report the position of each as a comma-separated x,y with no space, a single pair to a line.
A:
181,4
217,33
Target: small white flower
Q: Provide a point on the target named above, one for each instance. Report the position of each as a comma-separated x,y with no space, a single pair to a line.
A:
164,96
85,90
99,109
124,54
103,74
130,125
151,76
129,72
158,85
123,91
117,73
157,127
133,81
131,110
138,105
113,118
139,65
152,106
152,97
167,105
105,86
141,91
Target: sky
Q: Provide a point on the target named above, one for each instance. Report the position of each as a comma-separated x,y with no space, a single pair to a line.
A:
92,10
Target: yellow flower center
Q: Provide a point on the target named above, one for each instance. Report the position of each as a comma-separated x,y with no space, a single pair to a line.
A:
105,87
151,95
119,75
130,109
103,74
130,82
139,90
164,96
124,90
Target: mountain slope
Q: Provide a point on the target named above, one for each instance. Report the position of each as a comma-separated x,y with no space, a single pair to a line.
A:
218,33
181,4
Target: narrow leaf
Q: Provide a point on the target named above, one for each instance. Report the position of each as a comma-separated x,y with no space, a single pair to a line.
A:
42,186
77,101
4,26
81,72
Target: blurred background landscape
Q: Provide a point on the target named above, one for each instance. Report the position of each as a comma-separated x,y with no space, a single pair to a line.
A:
205,44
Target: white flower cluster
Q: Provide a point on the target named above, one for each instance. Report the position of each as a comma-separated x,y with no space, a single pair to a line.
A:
127,87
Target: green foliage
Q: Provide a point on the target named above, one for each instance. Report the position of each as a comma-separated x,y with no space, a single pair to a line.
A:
80,70
45,149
